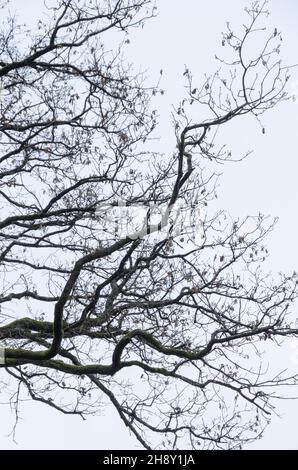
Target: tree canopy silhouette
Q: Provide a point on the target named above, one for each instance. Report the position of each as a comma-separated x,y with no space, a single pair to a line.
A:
163,321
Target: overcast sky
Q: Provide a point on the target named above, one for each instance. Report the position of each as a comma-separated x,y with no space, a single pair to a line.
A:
189,33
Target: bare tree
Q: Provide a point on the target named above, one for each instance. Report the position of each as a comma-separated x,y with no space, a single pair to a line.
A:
167,328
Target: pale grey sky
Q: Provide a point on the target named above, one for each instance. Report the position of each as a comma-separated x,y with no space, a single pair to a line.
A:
189,33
